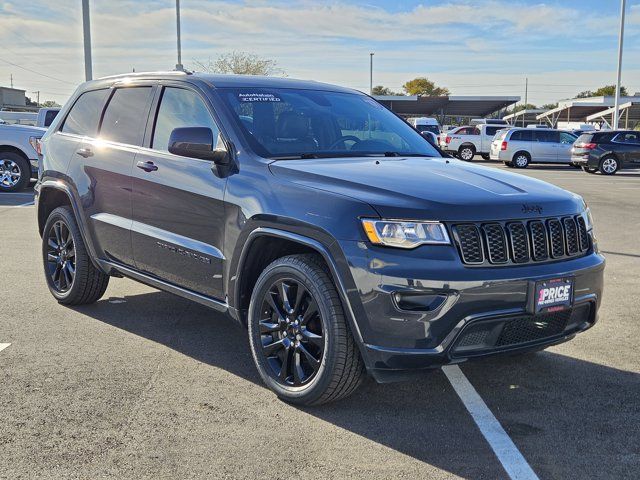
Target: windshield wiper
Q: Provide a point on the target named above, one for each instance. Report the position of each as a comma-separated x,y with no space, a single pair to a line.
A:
403,154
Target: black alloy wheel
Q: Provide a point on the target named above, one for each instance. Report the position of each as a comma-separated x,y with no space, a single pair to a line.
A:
61,256
292,332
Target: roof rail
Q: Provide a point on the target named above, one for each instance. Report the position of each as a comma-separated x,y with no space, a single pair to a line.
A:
143,74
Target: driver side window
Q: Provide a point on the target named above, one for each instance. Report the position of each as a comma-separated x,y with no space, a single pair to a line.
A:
181,108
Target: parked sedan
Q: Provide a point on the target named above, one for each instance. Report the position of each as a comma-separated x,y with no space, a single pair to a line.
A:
607,152
518,147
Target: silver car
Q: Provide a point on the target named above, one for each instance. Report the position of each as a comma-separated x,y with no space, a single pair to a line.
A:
518,147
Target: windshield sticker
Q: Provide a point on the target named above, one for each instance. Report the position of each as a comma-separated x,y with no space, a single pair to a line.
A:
258,97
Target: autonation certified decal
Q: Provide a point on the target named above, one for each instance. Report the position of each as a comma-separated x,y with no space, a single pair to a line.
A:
258,97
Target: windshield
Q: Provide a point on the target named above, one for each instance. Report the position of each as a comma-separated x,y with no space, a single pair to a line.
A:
283,122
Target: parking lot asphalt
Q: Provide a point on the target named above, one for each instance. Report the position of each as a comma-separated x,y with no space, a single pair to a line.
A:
144,384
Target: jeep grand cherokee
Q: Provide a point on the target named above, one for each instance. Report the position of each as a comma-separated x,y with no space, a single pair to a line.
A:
315,217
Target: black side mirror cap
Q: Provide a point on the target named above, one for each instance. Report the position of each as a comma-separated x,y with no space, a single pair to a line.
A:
196,142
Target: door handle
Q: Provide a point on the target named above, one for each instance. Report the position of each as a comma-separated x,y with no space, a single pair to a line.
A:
85,152
147,166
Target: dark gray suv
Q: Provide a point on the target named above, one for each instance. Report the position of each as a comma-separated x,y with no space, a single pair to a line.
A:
314,217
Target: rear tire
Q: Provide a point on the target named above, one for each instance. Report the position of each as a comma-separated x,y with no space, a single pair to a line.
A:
71,277
15,172
521,160
609,165
485,156
508,164
589,169
466,152
300,339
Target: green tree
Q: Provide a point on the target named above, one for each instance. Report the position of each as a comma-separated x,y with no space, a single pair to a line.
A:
49,104
518,108
424,87
240,63
549,106
381,90
606,91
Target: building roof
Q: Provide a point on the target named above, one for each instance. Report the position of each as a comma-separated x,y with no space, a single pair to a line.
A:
453,105
628,111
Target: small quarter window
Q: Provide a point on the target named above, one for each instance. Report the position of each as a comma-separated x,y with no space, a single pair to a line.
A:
84,116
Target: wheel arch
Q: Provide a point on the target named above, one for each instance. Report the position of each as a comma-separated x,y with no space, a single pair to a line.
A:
280,243
51,194
13,149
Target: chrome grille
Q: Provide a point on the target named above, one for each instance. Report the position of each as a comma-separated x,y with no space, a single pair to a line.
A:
520,242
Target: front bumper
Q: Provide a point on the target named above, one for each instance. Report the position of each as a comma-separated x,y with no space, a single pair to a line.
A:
447,301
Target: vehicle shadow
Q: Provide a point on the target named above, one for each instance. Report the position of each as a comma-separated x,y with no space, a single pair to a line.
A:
570,418
14,199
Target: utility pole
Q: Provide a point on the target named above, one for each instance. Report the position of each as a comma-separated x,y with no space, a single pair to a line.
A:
37,92
371,73
86,28
526,95
11,76
616,113
179,65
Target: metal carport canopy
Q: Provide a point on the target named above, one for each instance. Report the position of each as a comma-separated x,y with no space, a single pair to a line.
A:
579,109
629,112
529,116
451,105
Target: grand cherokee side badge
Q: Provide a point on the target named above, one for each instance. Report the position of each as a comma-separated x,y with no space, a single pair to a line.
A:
531,209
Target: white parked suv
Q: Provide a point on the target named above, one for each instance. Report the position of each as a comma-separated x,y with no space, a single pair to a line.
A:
518,147
466,142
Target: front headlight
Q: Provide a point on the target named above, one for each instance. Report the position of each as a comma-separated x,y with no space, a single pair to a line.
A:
588,219
405,234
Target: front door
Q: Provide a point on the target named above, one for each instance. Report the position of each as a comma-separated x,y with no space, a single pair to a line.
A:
629,147
564,147
178,211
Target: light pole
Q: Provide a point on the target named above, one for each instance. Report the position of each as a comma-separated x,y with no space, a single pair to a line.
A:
179,65
616,113
86,28
371,73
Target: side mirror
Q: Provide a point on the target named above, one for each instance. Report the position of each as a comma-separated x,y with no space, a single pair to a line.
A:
196,142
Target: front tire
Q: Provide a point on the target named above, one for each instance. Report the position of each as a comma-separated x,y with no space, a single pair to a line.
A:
486,156
589,169
71,277
15,172
300,340
609,165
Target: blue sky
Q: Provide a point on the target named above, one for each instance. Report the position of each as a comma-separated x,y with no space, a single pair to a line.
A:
482,47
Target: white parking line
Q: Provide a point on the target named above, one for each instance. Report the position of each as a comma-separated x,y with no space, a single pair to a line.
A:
504,448
3,346
28,204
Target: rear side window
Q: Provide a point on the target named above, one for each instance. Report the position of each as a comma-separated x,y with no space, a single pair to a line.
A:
180,108
84,116
126,115
546,136
491,131
49,117
522,135
628,137
566,137
585,138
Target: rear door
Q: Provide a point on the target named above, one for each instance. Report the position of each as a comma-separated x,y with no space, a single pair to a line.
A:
178,210
544,146
566,141
104,166
628,144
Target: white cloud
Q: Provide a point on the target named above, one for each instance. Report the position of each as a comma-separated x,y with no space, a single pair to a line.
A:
486,46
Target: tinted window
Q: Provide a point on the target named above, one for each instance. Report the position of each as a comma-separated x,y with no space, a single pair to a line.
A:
49,116
295,122
547,136
84,116
522,135
598,137
428,128
180,108
492,130
464,131
567,137
628,137
126,115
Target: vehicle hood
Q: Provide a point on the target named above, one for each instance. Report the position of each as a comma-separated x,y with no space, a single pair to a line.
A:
24,129
432,188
